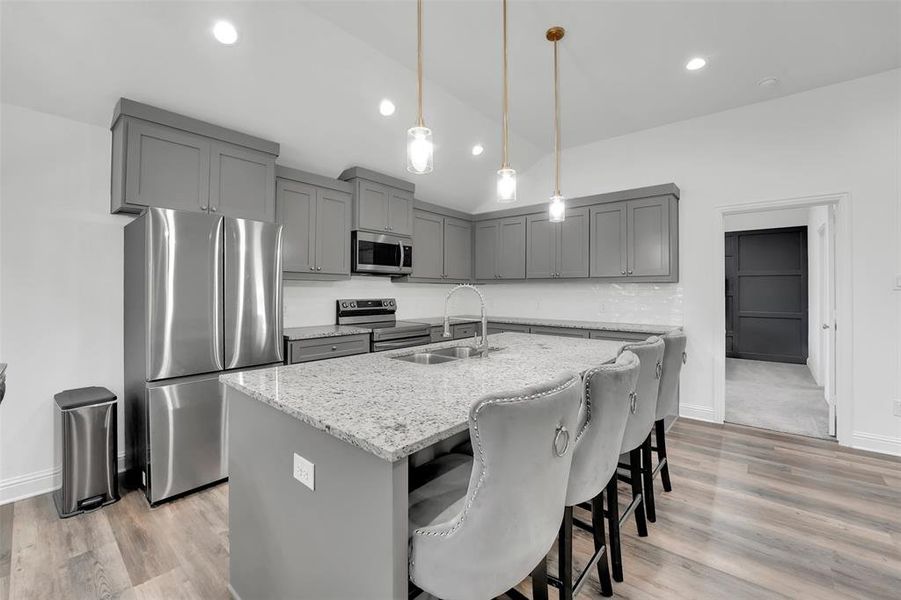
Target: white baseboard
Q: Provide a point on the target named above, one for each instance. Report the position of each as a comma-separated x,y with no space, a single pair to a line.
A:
697,412
876,443
36,483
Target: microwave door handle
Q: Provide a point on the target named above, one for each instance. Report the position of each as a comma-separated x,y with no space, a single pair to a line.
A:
401,265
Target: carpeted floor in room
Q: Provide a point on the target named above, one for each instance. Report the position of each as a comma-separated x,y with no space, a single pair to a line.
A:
778,396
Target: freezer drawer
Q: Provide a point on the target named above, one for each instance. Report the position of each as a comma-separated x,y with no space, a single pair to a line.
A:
188,437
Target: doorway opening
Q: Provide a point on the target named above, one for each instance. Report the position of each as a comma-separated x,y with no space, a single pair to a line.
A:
779,344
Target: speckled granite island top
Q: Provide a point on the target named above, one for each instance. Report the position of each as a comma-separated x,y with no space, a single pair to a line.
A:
322,331
392,408
649,329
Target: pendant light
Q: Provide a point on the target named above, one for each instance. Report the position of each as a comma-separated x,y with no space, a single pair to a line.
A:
557,207
506,175
419,137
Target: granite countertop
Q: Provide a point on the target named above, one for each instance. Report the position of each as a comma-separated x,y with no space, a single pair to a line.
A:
393,408
542,322
322,331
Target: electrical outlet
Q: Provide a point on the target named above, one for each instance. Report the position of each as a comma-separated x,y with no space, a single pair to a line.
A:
305,471
898,408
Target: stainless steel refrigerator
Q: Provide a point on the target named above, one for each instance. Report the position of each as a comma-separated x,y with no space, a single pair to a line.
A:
202,297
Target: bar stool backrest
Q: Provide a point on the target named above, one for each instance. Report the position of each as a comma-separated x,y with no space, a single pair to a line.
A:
673,358
602,424
643,408
522,452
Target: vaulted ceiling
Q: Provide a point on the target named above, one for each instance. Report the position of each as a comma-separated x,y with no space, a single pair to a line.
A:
310,74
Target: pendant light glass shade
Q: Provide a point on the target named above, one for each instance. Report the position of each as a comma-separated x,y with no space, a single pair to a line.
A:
556,211
419,150
506,185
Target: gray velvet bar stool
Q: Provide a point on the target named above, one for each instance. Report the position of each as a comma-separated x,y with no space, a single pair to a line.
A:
608,390
636,448
674,357
485,522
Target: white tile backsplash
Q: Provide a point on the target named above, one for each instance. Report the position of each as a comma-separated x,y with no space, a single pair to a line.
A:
313,302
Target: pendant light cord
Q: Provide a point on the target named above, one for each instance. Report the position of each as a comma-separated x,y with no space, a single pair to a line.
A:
506,164
556,125
419,122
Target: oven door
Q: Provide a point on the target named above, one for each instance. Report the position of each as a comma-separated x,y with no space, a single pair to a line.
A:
401,343
379,253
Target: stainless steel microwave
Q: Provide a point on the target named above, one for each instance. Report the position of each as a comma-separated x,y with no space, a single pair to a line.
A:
380,253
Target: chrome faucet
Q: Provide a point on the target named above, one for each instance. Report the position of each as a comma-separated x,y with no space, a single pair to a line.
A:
483,346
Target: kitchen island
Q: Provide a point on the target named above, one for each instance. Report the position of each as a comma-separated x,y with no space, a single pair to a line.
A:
362,421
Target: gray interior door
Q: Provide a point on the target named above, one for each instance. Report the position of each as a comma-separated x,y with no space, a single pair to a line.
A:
332,232
188,436
770,295
457,249
486,239
167,168
253,293
297,213
572,244
608,240
184,293
428,243
242,183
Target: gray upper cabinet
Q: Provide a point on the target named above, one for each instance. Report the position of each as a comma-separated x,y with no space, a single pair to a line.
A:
242,182
556,250
428,244
443,247
457,249
167,160
165,167
636,240
500,248
381,203
608,240
316,220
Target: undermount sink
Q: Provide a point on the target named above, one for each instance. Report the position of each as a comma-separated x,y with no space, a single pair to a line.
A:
425,358
442,355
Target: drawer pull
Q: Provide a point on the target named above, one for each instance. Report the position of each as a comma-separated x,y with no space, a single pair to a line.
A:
334,348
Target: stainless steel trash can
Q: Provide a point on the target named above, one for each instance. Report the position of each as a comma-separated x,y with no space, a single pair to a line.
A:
86,449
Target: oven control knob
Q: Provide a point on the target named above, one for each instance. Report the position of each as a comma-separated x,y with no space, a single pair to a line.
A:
353,304
384,303
391,302
344,305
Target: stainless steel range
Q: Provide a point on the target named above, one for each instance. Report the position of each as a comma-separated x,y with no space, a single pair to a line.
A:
378,314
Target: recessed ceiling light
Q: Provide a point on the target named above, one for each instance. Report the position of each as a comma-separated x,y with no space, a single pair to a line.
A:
768,82
696,64
225,32
386,108
477,150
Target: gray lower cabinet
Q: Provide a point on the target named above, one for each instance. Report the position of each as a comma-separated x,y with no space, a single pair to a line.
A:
557,250
299,351
560,331
443,247
636,240
505,327
316,234
500,248
242,182
161,159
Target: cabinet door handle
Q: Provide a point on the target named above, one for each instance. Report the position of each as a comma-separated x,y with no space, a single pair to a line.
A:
213,208
203,207
318,268
630,271
623,272
312,268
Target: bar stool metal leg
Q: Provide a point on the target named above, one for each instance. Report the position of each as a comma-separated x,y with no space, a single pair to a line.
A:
539,581
660,434
565,555
616,555
635,479
647,475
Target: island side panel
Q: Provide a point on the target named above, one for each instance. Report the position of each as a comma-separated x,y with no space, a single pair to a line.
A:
346,539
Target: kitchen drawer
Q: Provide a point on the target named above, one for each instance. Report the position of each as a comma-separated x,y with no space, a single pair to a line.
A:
330,347
619,335
466,330
503,327
560,331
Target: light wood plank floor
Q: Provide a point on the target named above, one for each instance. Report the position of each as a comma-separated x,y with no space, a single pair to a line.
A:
753,514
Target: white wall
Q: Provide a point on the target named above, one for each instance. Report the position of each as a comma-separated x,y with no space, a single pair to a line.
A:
61,294
767,219
841,138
